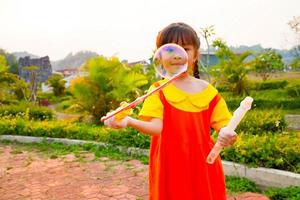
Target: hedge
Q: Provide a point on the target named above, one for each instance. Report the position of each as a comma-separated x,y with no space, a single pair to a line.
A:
63,129
257,122
27,111
270,85
293,89
289,104
278,150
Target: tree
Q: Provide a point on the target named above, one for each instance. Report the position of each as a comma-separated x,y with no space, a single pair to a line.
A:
109,82
268,62
33,82
3,64
232,68
57,83
295,26
11,85
207,32
296,64
12,62
3,69
14,86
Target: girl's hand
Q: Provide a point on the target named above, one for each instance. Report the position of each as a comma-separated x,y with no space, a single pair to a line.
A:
227,137
116,124
124,113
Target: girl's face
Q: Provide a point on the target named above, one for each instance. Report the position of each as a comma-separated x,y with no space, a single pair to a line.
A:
192,55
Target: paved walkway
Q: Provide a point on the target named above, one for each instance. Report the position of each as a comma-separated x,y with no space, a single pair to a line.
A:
293,122
31,175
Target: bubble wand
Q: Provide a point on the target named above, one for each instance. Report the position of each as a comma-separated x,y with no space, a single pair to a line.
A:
170,62
235,120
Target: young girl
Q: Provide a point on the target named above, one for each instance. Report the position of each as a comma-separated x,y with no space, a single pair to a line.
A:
179,119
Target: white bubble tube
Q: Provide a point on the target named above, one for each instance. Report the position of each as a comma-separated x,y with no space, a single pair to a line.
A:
235,120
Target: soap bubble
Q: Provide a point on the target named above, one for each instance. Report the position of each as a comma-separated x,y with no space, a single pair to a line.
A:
170,60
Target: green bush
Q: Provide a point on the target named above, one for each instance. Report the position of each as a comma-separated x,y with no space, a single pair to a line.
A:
9,102
293,89
265,99
53,98
223,88
65,105
25,110
279,151
62,129
233,103
289,193
257,122
273,150
270,85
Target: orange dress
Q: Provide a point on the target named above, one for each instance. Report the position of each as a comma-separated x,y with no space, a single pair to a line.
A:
177,167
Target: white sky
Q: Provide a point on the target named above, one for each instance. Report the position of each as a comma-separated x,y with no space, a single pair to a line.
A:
128,28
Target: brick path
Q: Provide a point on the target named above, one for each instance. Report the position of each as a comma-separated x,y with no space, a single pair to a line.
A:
30,175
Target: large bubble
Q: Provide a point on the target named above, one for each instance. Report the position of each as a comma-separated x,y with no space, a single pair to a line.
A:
170,60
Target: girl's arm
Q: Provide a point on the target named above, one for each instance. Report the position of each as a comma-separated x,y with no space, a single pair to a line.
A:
219,119
151,127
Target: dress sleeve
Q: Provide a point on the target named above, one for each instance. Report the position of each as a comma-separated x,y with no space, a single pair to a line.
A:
220,116
152,107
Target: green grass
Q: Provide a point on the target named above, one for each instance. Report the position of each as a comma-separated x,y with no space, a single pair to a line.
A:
238,185
293,112
289,193
54,150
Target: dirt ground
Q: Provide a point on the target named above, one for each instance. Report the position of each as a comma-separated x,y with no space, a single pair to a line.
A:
32,175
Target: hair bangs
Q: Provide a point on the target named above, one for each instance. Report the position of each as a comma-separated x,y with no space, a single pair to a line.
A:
178,34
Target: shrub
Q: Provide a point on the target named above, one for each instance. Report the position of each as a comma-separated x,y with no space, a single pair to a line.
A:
260,103
223,88
25,110
61,129
269,85
293,90
65,105
279,151
257,122
290,193
275,150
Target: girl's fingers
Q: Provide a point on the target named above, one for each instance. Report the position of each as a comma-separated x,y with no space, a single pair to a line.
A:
227,139
233,140
107,122
114,123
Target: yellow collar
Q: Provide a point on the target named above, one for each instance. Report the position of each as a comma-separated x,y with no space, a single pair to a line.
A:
199,100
